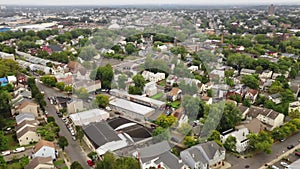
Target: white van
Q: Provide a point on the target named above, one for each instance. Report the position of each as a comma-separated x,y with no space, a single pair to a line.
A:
19,149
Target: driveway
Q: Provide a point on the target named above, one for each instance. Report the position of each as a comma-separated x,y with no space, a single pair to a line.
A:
74,151
260,159
13,156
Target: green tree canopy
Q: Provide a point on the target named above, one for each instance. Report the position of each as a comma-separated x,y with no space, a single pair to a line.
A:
102,100
63,142
76,165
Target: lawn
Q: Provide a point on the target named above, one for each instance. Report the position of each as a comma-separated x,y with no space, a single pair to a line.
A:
157,96
60,164
176,104
162,83
12,142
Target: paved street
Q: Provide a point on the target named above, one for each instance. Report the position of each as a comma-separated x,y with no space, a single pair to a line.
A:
259,160
12,156
74,151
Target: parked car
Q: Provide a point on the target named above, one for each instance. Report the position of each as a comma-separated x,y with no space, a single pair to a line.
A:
5,153
90,163
275,167
19,149
297,154
74,138
284,164
290,146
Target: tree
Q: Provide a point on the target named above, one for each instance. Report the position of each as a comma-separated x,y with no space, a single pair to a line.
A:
294,114
192,107
230,144
139,81
231,116
76,165
185,129
190,141
82,93
121,81
108,162
134,90
130,48
49,80
88,52
49,131
105,75
5,108
250,81
3,141
60,85
165,121
79,133
62,142
187,88
261,142
2,162
259,69
214,136
160,134
68,89
102,100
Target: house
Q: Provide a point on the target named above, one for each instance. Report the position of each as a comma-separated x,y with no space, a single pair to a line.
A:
153,77
89,116
28,107
24,117
4,55
150,89
100,137
203,155
26,123
267,84
269,117
174,94
241,138
172,79
254,125
247,71
266,74
159,156
44,149
90,86
276,98
74,106
27,135
244,110
251,94
181,117
11,79
294,106
41,163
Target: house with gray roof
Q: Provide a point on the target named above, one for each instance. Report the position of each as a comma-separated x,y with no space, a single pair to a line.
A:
159,156
203,155
101,138
23,117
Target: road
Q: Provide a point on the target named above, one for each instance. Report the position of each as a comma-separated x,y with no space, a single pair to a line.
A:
260,159
12,156
74,151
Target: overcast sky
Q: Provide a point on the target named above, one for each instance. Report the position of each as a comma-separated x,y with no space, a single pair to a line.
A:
155,2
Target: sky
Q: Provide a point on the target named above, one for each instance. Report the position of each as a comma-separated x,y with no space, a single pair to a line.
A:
141,2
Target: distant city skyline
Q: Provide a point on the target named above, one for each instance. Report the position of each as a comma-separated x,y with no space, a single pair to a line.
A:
147,2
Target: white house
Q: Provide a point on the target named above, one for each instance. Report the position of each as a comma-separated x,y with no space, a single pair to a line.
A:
174,94
150,89
266,74
89,116
276,98
44,149
241,138
294,106
153,77
247,71
251,94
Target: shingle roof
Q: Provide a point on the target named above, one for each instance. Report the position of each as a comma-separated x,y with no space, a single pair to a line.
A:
170,160
41,144
255,111
24,116
26,122
100,133
25,130
147,153
26,103
39,160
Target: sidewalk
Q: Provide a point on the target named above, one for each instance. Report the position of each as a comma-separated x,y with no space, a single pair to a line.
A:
281,156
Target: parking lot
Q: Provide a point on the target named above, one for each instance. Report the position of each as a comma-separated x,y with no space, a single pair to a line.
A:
288,160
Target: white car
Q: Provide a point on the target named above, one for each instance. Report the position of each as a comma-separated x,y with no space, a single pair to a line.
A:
5,153
284,164
20,149
275,167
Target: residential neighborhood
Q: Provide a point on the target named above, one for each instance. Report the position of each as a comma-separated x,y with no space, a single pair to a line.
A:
164,86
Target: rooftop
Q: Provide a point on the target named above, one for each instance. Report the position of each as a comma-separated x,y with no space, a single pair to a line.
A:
131,106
